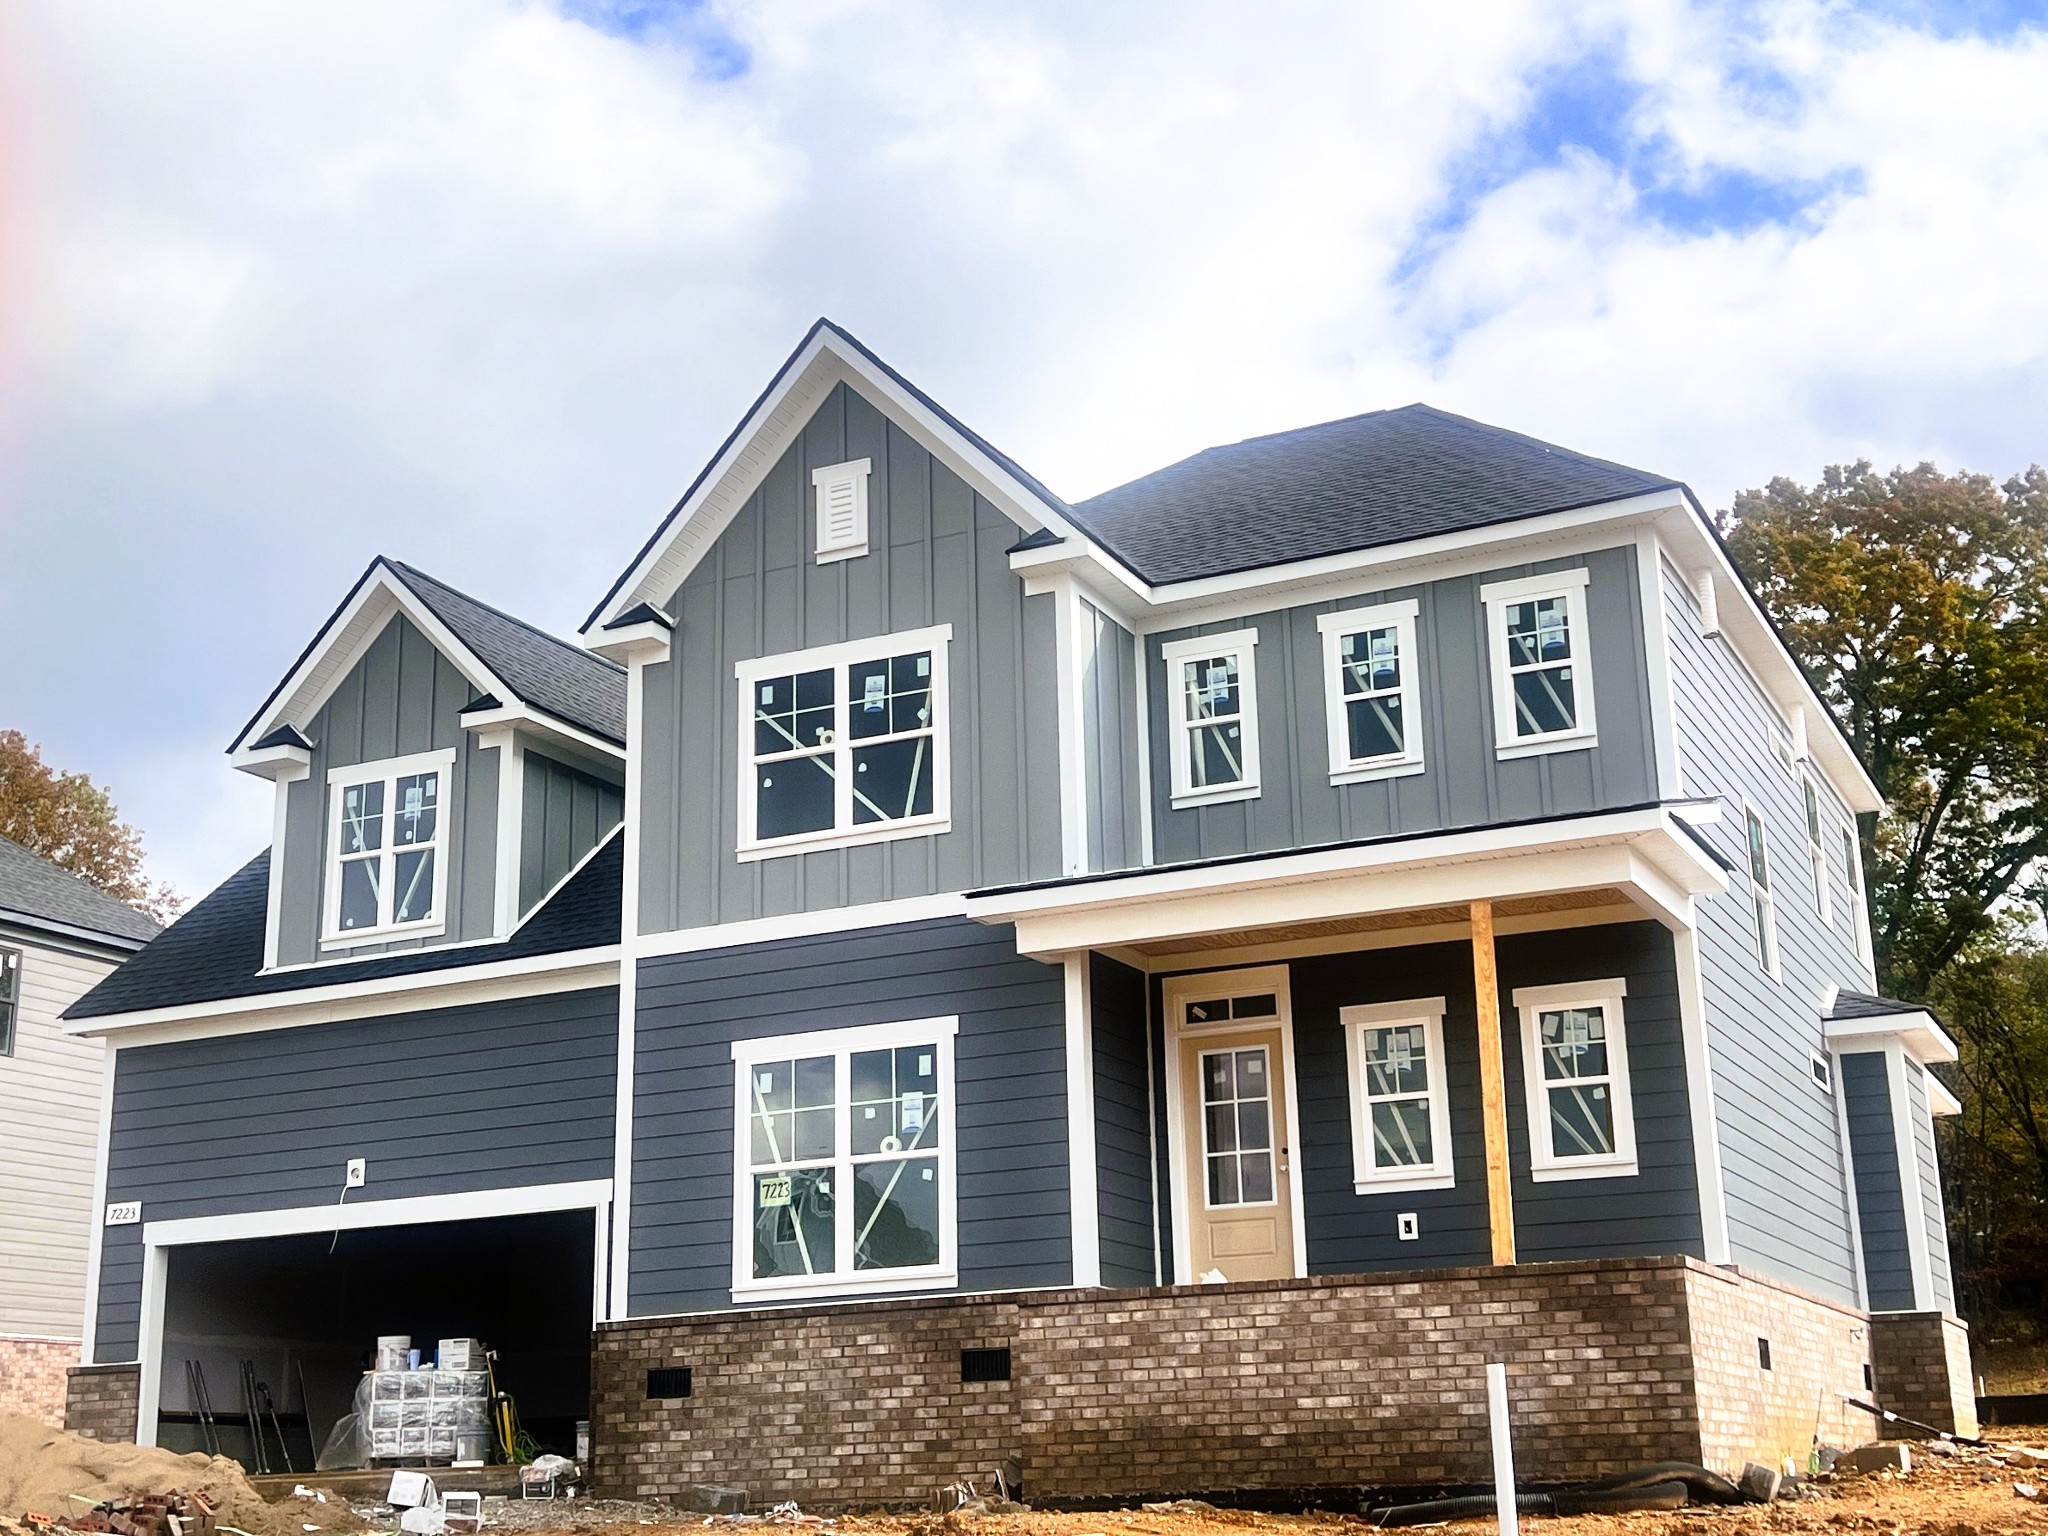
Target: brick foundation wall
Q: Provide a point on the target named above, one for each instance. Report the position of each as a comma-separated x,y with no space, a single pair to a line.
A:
1922,1363
32,1374
1818,1352
100,1401
1340,1381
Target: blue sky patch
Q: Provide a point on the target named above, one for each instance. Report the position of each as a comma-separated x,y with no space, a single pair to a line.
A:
686,24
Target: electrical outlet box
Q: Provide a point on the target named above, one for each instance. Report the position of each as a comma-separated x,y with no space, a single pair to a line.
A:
358,1170
1408,1226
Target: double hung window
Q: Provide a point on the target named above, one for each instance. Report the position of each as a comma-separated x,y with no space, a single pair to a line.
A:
1370,693
1763,904
844,1167
1575,1071
387,871
1816,852
845,744
1400,1104
1859,912
1212,699
1537,644
10,998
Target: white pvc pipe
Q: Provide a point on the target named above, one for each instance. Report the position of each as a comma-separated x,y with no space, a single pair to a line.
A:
1503,1450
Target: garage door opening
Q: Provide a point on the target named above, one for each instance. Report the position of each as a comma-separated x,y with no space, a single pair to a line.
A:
307,1310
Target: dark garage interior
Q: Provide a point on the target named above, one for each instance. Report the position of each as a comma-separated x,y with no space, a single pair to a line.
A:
307,1312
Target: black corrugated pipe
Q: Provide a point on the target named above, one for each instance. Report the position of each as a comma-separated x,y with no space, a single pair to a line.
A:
1662,1485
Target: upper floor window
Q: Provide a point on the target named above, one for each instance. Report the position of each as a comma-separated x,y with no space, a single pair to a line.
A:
387,870
1542,684
1816,852
1400,1104
1212,697
1369,689
844,744
10,997
842,493
1575,1072
1764,904
843,1175
1859,912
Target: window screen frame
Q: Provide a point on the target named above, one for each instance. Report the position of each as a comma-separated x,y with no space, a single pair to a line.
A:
1546,1165
840,659
1242,646
1336,628
842,1044
12,960
1496,598
1367,1177
388,771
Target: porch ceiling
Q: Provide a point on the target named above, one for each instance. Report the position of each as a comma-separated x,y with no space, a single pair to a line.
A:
1510,915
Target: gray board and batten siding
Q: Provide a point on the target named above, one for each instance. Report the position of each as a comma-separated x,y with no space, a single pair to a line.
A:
1111,742
1880,1206
1783,1167
1654,1211
564,814
1010,1103
444,1101
403,696
1927,1207
1462,784
1119,1028
937,555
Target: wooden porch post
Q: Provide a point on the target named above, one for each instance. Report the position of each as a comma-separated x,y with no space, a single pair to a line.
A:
1500,1206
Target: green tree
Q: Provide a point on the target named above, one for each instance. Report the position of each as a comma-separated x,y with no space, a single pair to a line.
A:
72,822
1918,603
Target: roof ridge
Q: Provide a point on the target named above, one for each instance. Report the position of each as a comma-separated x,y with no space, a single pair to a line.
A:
403,570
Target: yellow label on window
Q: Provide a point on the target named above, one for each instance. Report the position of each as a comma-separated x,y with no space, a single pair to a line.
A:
775,1191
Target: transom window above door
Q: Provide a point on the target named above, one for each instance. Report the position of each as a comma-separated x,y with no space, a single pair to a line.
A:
1370,693
1212,706
1537,647
845,744
387,867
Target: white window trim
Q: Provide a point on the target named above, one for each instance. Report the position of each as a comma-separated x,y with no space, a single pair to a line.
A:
840,1044
1545,1166
856,470
1335,628
1241,644
333,936
1817,847
1494,598
1763,899
936,640
1367,1178
1859,898
1818,1065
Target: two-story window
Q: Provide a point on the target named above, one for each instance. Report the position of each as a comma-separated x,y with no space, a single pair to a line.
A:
1538,656
1400,1103
1212,702
844,744
844,1167
1575,1073
387,869
1370,671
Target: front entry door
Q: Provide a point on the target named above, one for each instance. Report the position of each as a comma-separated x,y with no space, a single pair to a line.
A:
1237,1164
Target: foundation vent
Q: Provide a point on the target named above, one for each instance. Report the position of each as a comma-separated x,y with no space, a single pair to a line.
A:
668,1381
985,1364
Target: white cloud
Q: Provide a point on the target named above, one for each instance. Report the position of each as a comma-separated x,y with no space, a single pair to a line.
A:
480,285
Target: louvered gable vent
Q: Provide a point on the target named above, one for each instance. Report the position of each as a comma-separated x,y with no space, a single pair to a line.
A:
842,509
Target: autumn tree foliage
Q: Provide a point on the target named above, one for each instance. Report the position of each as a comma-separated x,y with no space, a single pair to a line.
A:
73,823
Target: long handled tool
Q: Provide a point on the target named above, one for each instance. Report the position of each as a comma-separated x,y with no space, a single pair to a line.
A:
257,1449
202,1404
1893,1418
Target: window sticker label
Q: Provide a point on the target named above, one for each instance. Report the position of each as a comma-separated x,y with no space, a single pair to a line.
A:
875,693
913,1113
775,1191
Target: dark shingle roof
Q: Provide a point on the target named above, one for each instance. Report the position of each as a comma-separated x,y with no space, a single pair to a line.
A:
34,890
551,674
215,951
1869,1005
1381,478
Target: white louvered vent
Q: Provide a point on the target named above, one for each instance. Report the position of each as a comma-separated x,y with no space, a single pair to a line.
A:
842,509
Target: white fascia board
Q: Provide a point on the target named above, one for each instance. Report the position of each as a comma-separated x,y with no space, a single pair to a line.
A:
411,1210
284,764
1637,851
800,925
546,728
1923,1039
498,981
349,635
823,362
1940,1102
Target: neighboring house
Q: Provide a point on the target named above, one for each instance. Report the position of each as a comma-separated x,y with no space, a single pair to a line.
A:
1160,987
58,938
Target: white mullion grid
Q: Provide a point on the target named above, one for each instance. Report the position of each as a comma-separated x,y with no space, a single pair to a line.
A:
1498,599
386,774
842,1161
1336,628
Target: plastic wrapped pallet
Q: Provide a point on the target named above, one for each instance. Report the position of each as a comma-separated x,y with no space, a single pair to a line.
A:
425,1415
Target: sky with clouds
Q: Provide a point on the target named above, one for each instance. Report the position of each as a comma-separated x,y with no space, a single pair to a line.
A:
480,284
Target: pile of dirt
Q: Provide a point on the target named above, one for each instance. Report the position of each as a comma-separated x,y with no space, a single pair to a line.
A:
53,1472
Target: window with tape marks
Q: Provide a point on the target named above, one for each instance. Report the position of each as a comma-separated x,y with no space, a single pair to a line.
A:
1370,665
1213,716
1540,659
1578,1081
843,747
389,833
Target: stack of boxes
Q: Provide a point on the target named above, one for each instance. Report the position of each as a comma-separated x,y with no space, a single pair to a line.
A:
427,1414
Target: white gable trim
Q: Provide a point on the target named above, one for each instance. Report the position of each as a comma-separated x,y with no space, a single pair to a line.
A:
826,359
